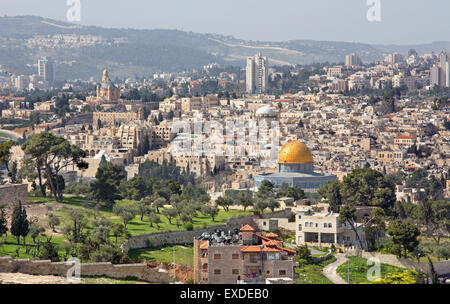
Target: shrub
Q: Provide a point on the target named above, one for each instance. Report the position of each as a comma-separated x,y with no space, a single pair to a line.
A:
49,252
303,254
109,254
189,226
150,242
406,277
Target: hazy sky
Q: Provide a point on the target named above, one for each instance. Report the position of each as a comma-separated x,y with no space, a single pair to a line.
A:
402,21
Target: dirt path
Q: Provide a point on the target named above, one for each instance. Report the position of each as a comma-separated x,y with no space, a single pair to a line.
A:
330,270
20,278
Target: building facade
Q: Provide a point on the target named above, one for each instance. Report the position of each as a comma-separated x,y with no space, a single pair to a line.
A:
257,74
244,257
46,69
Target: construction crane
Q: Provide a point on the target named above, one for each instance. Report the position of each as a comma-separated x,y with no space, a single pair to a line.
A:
10,73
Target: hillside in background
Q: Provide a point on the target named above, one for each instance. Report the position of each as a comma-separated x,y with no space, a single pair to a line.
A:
130,52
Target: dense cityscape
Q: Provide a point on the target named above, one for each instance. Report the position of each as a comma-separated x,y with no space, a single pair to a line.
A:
259,173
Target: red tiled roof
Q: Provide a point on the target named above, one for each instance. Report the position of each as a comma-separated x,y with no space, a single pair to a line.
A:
271,243
271,235
204,245
247,228
257,248
412,167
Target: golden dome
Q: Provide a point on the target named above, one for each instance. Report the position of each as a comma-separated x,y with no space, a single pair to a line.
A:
295,152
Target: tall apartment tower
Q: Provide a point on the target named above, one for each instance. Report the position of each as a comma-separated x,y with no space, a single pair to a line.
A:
46,69
435,76
444,58
393,58
440,73
352,59
257,74
447,74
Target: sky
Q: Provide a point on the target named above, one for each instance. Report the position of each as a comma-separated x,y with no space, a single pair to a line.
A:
402,21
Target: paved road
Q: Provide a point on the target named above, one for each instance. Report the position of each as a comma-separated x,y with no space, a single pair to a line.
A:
312,250
11,134
330,270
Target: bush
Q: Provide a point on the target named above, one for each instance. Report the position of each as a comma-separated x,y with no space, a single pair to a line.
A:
189,226
49,252
406,277
109,254
150,242
303,254
333,248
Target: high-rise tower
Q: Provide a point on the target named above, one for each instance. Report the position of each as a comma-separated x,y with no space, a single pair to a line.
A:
257,74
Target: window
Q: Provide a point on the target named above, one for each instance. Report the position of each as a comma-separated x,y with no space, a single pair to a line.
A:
317,225
306,224
217,256
235,271
217,271
299,227
330,225
235,256
299,216
325,225
282,272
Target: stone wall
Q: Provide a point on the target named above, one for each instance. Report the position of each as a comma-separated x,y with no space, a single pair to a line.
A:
441,268
11,194
140,271
187,237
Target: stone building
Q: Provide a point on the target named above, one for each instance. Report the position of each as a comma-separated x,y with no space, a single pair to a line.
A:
115,118
316,226
107,90
244,257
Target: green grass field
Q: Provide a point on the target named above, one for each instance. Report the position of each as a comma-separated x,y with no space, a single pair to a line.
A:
138,227
135,227
358,270
184,254
8,246
312,273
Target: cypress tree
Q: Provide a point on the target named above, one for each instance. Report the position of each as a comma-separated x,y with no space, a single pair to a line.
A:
3,222
19,223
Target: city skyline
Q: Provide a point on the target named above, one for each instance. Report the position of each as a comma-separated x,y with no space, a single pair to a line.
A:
302,21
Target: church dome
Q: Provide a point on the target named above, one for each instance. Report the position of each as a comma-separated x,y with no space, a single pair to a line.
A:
295,152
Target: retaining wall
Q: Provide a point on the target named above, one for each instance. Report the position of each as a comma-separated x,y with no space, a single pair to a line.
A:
45,267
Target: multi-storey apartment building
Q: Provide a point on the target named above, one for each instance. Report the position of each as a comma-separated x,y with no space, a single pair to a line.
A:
244,256
318,226
46,69
352,60
257,75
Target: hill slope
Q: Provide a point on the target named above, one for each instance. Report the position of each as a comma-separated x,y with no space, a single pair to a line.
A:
130,52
